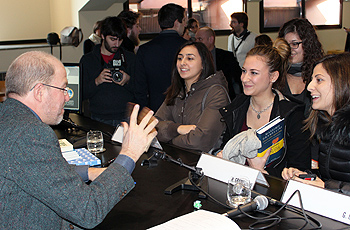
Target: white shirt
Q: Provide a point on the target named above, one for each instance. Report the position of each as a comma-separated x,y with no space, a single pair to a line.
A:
244,48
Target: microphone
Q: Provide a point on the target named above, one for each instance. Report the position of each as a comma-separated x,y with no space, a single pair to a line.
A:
259,203
272,201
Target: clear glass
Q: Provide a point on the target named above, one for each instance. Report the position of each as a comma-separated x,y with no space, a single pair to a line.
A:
94,141
238,191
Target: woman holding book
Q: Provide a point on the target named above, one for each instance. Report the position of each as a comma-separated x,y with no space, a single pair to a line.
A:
189,117
260,103
329,123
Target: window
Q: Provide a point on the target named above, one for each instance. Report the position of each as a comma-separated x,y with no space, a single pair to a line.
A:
213,13
321,13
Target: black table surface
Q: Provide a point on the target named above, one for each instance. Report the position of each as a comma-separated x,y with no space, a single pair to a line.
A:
147,205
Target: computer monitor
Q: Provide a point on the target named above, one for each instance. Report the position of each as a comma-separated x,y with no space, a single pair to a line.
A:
74,87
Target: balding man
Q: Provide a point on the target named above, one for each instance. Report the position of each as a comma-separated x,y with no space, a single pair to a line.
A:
224,60
38,188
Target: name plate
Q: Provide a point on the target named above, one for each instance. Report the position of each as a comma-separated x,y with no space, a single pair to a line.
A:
318,200
223,170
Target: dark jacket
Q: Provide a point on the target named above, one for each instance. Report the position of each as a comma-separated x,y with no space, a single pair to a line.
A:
39,189
296,148
334,157
226,62
154,61
107,100
189,111
128,45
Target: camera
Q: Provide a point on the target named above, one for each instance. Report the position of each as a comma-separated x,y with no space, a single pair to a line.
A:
116,74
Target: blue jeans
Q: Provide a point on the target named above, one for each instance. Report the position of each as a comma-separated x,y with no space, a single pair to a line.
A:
114,123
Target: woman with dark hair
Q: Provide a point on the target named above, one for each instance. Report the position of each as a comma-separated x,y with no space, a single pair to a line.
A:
306,50
329,123
189,116
260,103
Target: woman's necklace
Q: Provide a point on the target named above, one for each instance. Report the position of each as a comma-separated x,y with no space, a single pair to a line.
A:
259,112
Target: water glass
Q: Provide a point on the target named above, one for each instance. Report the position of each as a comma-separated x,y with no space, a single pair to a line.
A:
238,191
94,141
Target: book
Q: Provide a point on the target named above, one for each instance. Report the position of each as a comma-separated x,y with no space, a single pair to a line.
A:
65,145
271,136
81,157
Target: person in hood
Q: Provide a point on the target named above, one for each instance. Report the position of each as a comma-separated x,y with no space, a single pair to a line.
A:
189,116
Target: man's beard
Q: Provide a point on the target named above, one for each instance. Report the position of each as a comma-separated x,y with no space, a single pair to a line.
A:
109,48
135,39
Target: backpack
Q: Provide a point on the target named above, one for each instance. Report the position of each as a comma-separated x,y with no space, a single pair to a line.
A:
71,35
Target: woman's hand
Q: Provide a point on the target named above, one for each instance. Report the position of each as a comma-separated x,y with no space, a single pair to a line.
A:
184,129
293,173
289,173
317,182
259,162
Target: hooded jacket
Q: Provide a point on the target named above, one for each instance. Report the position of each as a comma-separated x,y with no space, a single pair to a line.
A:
189,111
334,157
296,146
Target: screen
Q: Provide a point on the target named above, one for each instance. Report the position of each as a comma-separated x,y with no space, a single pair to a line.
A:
74,87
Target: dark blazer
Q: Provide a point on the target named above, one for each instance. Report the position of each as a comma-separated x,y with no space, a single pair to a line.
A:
153,68
226,62
38,188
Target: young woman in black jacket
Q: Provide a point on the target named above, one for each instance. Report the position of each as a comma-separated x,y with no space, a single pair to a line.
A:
329,122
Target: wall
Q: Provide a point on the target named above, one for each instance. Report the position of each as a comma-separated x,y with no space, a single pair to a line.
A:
62,13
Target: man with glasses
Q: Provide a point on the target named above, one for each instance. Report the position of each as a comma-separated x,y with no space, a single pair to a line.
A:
39,189
241,40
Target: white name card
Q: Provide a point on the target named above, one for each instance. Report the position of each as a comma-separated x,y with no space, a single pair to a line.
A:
223,170
118,136
318,200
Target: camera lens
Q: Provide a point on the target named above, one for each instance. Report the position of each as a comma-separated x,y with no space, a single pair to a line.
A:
116,75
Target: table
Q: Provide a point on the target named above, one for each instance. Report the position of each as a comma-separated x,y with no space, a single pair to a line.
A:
147,205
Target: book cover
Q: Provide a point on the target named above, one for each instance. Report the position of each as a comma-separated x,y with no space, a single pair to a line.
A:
65,145
271,136
86,158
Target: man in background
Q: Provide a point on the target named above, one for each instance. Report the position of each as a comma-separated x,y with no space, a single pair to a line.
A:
154,59
132,21
39,189
241,40
223,60
106,73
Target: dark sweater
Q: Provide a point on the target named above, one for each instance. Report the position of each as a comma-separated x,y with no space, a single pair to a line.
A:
107,100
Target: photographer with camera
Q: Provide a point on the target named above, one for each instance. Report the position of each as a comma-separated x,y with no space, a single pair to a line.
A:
106,73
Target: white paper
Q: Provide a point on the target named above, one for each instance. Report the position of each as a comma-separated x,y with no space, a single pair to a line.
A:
223,170
201,219
318,200
71,155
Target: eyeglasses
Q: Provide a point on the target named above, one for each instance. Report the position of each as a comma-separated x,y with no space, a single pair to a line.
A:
65,90
295,45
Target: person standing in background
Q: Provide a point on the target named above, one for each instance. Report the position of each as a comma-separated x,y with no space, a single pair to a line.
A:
154,59
106,73
132,22
193,26
223,60
241,40
94,38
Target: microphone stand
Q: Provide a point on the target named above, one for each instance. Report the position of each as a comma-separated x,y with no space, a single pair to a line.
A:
185,184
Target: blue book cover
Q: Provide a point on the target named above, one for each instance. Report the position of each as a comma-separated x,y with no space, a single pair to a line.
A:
86,158
271,136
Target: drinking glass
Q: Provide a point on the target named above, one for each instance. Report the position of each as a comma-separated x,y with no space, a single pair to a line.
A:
238,191
94,141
